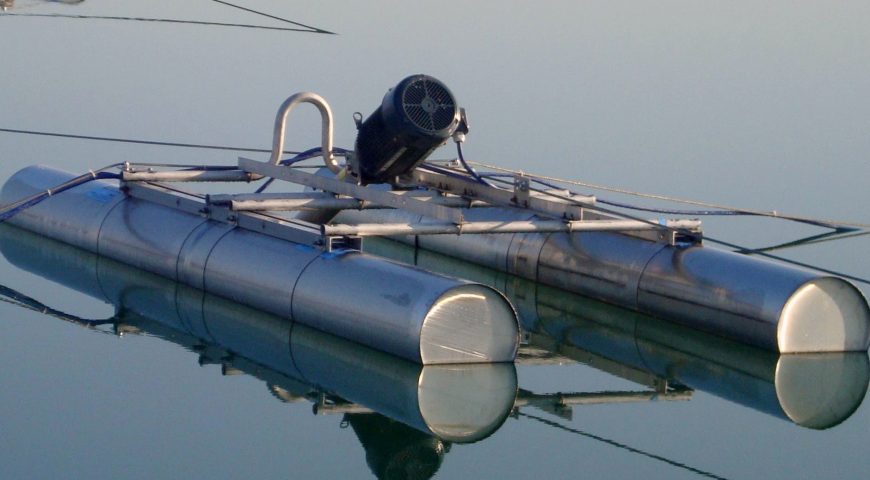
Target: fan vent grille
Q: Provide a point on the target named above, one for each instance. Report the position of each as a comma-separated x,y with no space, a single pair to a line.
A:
429,105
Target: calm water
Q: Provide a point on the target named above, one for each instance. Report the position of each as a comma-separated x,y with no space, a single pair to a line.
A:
758,107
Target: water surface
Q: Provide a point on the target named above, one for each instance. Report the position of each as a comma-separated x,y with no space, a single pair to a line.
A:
753,106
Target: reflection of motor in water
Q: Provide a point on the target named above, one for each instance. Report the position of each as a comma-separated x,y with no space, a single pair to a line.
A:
394,451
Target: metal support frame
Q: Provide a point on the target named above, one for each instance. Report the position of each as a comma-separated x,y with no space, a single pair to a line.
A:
286,229
322,200
532,201
131,175
380,197
440,203
527,226
562,212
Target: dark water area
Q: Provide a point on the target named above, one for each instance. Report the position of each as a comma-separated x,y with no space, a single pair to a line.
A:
107,371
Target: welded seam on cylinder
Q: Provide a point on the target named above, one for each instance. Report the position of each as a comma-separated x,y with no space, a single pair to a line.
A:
183,318
637,307
181,249
507,254
121,200
290,352
538,266
640,277
97,259
296,283
208,256
204,286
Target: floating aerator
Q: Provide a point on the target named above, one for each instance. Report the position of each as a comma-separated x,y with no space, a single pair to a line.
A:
415,118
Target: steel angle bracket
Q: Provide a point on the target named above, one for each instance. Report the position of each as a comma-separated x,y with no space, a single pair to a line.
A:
522,190
378,197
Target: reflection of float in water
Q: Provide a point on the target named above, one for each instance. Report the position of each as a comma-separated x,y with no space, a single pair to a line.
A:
458,403
811,390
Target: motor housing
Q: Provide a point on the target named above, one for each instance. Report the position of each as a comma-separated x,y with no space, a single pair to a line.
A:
416,116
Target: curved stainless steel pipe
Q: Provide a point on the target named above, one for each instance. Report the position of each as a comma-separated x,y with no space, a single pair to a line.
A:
326,129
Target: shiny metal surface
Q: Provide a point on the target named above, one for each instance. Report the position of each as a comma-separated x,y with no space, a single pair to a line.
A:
485,249
381,197
824,310
494,226
366,299
459,403
755,301
258,270
427,319
188,176
817,390
75,220
326,128
320,200
813,390
467,323
761,303
194,254
146,235
602,265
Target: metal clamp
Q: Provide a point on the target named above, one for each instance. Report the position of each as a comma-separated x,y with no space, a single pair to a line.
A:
325,115
522,186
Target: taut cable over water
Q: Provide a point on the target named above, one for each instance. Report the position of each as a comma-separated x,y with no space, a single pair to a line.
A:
298,27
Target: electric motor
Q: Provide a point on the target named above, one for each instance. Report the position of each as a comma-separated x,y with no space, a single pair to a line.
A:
416,116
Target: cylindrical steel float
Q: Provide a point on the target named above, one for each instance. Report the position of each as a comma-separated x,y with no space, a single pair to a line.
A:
755,301
814,390
458,403
421,316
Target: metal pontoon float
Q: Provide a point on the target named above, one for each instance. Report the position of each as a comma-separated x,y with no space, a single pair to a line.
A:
459,403
297,254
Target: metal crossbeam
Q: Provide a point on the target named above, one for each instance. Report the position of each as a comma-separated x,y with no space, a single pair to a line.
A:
380,197
520,226
321,200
